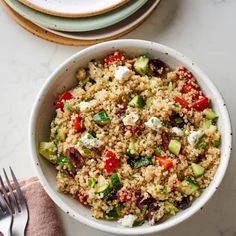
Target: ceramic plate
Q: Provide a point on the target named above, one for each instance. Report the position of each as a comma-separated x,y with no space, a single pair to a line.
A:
74,8
123,26
76,24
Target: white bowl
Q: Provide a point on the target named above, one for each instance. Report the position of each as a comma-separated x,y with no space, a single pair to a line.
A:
63,78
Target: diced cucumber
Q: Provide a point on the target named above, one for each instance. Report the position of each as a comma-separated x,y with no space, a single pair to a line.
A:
138,223
198,170
116,180
137,101
101,118
114,213
141,65
206,124
210,114
67,107
102,188
174,146
48,150
216,143
142,161
201,145
158,151
188,186
63,161
60,136
92,182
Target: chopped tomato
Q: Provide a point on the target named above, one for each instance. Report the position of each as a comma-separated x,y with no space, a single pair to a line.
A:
201,103
125,195
113,58
65,96
165,163
77,122
81,198
182,102
183,73
111,162
188,87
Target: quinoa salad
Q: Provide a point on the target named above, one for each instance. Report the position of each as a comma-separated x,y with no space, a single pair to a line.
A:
134,141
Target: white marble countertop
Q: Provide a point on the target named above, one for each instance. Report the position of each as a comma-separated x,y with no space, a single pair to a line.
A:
204,30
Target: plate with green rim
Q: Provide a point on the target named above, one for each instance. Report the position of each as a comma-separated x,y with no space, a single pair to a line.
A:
74,8
76,24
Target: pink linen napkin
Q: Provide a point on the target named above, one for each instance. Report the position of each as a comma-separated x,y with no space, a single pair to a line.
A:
43,219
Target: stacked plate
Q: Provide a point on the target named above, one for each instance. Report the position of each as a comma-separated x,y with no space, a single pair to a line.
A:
80,22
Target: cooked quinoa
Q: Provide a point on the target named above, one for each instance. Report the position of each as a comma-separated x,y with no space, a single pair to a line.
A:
134,141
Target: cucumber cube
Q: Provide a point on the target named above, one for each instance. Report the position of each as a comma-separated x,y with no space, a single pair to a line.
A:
210,114
48,150
137,101
198,170
141,65
174,146
101,118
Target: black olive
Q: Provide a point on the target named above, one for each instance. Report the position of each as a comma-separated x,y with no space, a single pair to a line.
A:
75,157
184,203
157,67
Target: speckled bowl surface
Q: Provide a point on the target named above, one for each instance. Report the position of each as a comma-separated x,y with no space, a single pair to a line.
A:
63,78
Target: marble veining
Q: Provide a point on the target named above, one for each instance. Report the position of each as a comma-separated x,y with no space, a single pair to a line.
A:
204,30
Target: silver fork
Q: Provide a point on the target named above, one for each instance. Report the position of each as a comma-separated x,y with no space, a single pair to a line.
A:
16,203
6,217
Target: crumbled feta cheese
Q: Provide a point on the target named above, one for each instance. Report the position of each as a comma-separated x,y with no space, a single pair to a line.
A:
131,119
89,141
123,73
153,123
128,220
194,137
83,106
177,131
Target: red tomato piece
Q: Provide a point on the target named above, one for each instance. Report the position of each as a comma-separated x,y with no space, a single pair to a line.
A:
77,122
188,87
111,162
65,96
201,103
183,73
182,102
81,198
165,163
113,58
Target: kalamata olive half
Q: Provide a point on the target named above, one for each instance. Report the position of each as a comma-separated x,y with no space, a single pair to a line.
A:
141,201
75,157
157,67
151,211
184,203
165,140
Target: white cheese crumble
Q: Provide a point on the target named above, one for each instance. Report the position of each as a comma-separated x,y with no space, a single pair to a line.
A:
89,141
83,106
177,131
153,123
194,137
127,220
123,73
131,119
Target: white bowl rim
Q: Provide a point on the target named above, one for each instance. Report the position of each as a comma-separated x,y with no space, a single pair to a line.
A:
138,230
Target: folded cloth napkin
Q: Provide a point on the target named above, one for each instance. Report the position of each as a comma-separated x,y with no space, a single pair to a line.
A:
43,219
